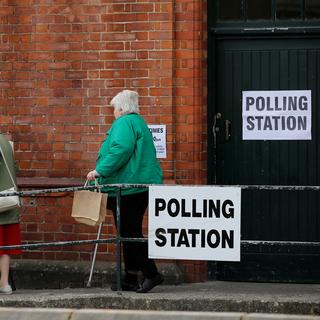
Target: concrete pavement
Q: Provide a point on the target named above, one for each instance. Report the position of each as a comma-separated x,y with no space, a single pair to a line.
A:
94,314
213,296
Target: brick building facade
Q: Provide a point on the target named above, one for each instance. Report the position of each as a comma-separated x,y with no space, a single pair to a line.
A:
61,63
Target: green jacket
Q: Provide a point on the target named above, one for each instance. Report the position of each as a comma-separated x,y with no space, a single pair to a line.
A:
128,155
10,216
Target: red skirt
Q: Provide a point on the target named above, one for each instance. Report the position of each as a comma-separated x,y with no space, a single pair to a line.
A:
10,236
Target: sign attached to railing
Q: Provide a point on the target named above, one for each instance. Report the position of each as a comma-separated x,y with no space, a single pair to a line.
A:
194,222
276,115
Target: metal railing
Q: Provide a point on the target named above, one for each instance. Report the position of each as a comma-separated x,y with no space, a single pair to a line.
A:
118,239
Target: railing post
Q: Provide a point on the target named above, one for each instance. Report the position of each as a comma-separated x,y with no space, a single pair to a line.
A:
118,241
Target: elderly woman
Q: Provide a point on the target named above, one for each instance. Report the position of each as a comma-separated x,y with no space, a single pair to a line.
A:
9,220
128,156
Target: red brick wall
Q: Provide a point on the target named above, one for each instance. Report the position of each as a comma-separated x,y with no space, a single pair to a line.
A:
61,63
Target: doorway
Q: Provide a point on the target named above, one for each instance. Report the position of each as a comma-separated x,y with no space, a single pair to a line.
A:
257,60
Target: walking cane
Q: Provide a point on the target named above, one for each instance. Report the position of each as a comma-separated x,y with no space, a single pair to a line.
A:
94,256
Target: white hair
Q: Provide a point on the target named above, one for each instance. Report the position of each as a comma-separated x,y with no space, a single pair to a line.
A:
126,101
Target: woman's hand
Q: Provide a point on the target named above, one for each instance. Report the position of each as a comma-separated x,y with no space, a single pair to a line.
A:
92,175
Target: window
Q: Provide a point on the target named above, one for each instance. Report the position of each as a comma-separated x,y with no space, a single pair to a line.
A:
230,10
288,9
267,10
312,9
257,10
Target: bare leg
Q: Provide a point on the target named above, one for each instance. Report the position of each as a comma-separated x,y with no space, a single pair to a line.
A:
4,269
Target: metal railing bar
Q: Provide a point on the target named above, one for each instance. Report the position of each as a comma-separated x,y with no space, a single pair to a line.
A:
120,239
262,242
57,244
27,193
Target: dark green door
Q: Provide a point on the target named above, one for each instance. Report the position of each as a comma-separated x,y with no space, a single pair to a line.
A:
266,63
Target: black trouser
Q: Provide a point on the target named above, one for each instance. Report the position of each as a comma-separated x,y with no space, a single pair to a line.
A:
135,254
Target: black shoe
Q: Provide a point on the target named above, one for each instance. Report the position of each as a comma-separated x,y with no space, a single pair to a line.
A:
150,283
125,286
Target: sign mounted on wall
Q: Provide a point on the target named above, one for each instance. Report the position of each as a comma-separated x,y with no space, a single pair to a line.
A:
194,222
158,132
276,115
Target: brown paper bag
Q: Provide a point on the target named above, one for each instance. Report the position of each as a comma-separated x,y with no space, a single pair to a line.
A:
89,207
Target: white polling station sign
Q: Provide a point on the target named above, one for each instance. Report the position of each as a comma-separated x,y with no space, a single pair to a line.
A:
194,222
276,115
